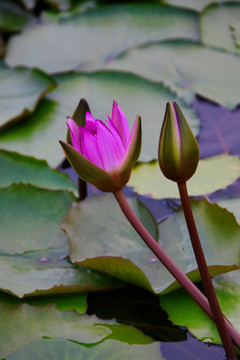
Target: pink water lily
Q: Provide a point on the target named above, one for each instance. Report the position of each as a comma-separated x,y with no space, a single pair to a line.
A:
104,154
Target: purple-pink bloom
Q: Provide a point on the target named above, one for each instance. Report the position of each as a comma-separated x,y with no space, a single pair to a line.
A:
110,147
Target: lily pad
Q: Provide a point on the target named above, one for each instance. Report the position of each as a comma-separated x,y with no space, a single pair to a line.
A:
13,17
95,225
16,168
29,219
24,324
227,289
34,251
134,95
232,205
77,302
212,174
20,92
98,35
126,258
224,34
187,68
66,350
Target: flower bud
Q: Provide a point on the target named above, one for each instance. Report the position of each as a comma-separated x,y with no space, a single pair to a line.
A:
178,153
101,154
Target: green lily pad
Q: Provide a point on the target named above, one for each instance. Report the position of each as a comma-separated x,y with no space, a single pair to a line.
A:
29,219
212,174
217,229
198,323
16,168
34,251
66,350
13,17
21,91
77,302
118,29
119,254
187,68
232,205
24,324
98,237
134,95
224,34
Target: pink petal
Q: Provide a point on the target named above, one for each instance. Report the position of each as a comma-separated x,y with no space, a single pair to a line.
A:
74,132
90,124
90,147
115,134
133,149
109,148
120,122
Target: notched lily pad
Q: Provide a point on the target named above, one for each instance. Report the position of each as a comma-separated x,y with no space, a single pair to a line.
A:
98,35
20,91
187,68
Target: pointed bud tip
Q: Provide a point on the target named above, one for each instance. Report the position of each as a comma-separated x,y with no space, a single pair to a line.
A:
178,148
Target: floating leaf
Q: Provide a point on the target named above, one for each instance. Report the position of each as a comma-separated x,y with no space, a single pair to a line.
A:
212,174
97,243
187,68
119,254
13,17
134,95
20,91
98,35
217,229
77,302
224,34
16,168
34,251
24,324
227,288
220,130
232,205
65,350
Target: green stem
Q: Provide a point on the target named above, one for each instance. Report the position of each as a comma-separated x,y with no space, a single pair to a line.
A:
203,269
82,189
183,280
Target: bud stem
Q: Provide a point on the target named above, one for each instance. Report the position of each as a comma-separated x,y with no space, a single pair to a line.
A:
203,269
192,290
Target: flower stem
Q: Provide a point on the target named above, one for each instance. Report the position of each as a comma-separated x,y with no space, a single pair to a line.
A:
183,280
203,269
82,189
